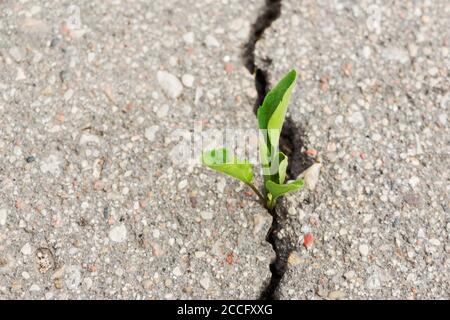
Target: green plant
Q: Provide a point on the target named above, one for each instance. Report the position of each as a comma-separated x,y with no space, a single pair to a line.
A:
271,115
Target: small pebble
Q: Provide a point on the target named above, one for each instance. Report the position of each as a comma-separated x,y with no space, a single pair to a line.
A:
433,71
73,277
89,139
205,283
311,175
20,74
33,26
106,212
118,233
182,184
396,54
18,54
259,221
26,249
177,272
150,133
17,151
364,249
366,52
228,67
349,275
3,216
188,80
51,165
308,240
87,283
211,42
373,282
207,215
170,84
64,76
435,242
336,295
54,42
35,288
189,38
294,259
30,159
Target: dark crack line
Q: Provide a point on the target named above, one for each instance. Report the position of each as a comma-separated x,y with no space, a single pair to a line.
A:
282,250
292,141
270,12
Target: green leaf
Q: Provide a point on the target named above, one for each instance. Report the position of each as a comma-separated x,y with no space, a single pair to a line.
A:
263,150
276,170
282,166
274,98
271,116
220,160
277,190
276,120
264,155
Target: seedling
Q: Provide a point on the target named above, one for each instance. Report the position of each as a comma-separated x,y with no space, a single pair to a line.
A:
274,163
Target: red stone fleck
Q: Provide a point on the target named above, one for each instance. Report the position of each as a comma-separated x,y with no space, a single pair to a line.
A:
92,268
143,203
311,152
98,185
65,30
324,83
228,67
60,117
248,193
347,69
156,250
308,240
129,107
19,205
230,258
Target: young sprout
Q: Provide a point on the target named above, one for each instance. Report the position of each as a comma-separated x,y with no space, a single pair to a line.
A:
271,116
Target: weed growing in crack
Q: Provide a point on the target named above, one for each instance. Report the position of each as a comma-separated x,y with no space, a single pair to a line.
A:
271,116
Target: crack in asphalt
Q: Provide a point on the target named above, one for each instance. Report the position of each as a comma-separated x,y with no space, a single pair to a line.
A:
292,142
270,12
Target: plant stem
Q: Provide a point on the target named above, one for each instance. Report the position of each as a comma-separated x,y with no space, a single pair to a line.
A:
260,196
271,205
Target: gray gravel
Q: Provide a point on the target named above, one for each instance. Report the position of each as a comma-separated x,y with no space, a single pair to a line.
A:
373,99
92,204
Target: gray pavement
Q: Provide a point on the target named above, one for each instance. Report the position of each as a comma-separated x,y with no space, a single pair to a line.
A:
95,98
92,204
373,99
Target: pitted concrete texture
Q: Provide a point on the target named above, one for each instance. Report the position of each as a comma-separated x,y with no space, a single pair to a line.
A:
373,99
93,203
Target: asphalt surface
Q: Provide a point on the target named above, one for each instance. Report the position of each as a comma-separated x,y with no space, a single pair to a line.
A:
373,102
94,200
97,101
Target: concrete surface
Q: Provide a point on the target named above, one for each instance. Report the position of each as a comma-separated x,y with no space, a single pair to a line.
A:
94,203
91,203
373,99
